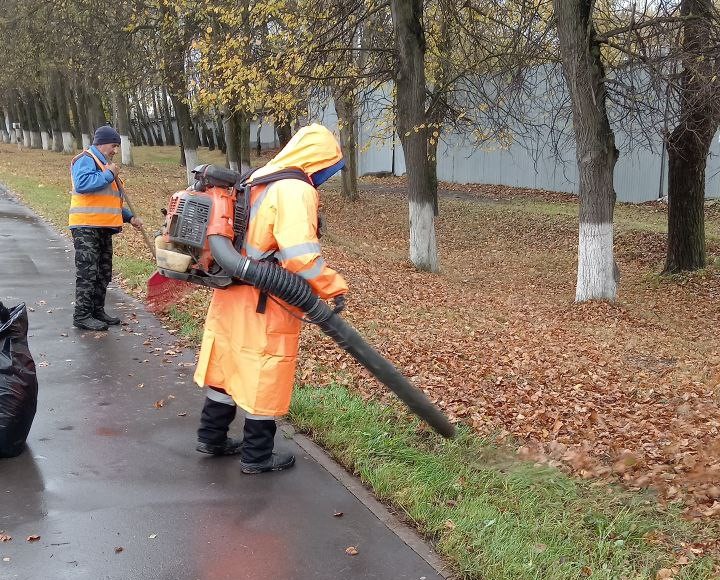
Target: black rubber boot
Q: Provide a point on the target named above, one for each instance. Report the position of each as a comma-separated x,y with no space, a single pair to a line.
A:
106,318
229,447
276,462
257,451
89,323
215,421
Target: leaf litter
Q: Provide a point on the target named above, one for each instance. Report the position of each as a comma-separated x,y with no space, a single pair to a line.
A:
626,392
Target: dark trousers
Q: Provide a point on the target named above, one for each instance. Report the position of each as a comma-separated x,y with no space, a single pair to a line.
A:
215,420
93,269
258,434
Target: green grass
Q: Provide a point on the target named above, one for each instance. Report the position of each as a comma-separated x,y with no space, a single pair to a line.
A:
187,325
49,201
135,271
490,515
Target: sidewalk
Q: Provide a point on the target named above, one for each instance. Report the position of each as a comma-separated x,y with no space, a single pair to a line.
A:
111,481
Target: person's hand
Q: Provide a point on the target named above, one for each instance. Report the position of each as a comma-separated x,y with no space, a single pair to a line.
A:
340,303
114,168
136,222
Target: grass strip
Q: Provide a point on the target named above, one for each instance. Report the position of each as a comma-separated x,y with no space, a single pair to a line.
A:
490,515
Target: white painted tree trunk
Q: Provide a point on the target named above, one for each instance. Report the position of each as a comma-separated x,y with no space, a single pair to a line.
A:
234,165
57,141
45,138
27,141
423,247
68,142
126,150
191,162
4,136
35,141
86,141
596,278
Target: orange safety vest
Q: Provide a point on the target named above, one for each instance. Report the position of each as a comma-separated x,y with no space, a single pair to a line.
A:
100,209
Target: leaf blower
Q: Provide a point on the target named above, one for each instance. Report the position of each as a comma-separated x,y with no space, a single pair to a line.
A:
204,230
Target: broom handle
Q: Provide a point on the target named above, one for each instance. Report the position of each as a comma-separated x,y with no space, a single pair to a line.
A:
132,209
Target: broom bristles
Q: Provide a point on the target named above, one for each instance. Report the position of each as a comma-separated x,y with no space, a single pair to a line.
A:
164,292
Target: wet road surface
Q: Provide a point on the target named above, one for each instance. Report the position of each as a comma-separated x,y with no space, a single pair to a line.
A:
111,481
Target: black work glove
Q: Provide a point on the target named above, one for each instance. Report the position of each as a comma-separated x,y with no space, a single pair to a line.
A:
339,302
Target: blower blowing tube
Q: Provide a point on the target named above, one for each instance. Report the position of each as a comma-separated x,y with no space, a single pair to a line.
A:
294,290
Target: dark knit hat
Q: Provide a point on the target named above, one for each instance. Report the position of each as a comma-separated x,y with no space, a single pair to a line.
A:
106,134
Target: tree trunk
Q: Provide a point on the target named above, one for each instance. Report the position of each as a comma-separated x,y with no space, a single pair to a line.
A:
96,110
243,124
43,120
68,143
23,119
220,134
689,143
143,123
433,178
284,133
123,126
53,113
201,133
595,149
207,129
33,123
410,44
258,136
346,108
187,135
232,151
167,117
687,158
84,121
11,120
158,122
74,115
4,132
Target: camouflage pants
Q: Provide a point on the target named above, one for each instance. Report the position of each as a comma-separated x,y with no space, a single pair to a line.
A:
93,269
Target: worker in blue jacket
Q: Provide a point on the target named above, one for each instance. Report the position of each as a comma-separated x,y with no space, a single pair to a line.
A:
96,214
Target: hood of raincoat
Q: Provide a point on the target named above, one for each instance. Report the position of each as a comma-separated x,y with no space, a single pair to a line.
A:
313,149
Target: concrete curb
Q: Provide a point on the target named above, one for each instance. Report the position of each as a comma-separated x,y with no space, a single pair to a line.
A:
408,535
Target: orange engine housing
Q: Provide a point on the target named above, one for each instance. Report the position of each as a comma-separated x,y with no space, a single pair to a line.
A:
193,215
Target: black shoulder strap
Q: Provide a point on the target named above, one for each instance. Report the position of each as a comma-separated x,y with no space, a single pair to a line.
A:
290,173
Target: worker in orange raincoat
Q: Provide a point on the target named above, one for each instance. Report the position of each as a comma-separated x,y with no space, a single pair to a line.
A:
249,348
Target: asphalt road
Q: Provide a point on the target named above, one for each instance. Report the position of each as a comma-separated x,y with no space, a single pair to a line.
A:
112,484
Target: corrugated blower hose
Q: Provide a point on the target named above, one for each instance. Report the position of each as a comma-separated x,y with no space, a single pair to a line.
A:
222,186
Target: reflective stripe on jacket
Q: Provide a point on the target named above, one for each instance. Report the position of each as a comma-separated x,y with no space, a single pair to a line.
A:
102,208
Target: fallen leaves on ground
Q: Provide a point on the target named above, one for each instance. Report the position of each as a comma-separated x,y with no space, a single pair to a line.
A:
626,392
351,551
33,538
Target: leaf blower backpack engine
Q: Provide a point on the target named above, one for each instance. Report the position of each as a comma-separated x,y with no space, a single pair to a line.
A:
204,230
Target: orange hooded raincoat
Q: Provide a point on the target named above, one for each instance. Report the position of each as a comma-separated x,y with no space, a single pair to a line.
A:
252,356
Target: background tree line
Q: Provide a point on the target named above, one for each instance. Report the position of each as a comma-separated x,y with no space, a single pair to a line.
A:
468,66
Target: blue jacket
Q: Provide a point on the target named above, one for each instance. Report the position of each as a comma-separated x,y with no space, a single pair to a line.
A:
88,178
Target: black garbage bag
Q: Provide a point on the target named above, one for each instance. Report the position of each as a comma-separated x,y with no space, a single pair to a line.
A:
18,381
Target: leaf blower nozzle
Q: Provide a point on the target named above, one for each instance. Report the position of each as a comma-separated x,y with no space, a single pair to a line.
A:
294,290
